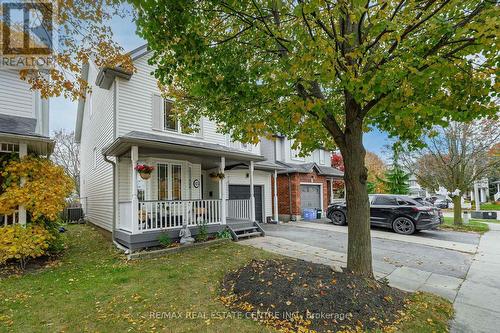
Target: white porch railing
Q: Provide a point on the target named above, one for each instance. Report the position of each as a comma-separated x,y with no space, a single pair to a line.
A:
238,209
9,219
160,215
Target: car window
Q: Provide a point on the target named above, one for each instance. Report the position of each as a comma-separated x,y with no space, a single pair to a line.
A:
403,202
385,200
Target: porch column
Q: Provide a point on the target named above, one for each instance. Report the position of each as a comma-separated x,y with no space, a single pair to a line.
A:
252,196
331,190
222,191
23,151
134,153
275,199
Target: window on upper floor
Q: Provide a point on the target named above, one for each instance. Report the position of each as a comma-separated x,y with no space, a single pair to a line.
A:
321,156
170,122
164,118
295,154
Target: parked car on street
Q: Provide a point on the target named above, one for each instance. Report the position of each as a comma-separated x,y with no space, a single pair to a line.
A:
400,213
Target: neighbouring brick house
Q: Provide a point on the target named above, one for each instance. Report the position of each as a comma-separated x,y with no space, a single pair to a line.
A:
303,182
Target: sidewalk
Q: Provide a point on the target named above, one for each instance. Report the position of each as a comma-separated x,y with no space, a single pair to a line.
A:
477,304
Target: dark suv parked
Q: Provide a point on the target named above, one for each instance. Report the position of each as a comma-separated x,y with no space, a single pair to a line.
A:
401,213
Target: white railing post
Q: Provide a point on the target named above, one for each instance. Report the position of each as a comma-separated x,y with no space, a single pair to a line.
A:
275,199
23,151
134,153
252,196
222,192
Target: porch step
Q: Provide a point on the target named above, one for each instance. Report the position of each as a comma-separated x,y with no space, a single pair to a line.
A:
250,234
239,231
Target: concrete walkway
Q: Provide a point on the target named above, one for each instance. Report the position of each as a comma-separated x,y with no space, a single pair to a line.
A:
477,304
402,277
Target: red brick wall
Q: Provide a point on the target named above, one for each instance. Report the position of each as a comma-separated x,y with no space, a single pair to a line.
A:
296,179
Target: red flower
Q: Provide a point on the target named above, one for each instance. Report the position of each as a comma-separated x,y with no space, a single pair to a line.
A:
143,168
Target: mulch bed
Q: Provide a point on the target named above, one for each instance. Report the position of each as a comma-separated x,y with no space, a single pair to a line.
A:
295,295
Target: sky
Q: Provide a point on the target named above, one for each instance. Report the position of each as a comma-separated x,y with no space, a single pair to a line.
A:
63,111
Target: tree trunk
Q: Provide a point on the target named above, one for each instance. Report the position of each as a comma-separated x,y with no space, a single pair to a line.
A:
457,210
359,255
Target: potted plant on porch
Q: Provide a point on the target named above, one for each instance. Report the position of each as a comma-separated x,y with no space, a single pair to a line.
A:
217,175
144,170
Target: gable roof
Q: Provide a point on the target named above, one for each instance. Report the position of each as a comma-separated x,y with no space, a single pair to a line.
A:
310,167
104,79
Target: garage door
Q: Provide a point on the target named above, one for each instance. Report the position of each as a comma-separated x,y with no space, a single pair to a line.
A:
243,192
310,197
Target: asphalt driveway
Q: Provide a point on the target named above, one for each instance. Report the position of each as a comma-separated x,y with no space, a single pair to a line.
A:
428,258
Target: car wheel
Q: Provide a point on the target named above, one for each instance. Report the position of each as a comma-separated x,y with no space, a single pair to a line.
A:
403,225
338,218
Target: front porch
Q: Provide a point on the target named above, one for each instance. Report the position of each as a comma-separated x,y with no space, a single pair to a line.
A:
190,185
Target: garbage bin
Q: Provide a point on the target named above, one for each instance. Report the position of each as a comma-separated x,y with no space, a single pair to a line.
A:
309,214
319,213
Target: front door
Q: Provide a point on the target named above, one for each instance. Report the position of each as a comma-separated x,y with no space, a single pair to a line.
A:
243,192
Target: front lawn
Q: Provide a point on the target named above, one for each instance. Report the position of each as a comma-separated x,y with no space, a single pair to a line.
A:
472,226
490,206
93,289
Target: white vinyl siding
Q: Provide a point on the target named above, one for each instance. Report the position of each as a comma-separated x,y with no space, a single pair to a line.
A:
17,99
136,104
97,174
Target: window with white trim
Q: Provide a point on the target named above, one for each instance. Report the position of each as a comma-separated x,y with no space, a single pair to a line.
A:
170,121
321,156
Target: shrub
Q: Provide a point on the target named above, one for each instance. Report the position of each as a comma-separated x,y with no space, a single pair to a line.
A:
224,234
37,184
202,235
23,243
165,240
57,243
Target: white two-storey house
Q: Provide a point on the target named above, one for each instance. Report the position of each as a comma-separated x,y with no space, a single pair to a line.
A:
200,178
24,126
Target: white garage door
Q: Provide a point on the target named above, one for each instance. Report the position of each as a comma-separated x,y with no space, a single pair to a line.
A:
310,197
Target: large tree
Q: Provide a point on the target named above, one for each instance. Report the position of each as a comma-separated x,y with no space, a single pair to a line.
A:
322,71
455,157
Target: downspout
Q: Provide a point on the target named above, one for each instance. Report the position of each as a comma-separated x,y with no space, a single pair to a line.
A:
113,224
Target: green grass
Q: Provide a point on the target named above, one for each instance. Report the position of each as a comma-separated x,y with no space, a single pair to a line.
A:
94,289
472,226
490,206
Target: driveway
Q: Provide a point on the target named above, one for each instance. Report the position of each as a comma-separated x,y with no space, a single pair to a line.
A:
434,261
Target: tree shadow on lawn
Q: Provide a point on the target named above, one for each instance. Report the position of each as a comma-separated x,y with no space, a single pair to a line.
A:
297,296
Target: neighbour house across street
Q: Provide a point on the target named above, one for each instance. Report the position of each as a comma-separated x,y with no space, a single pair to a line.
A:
198,178
24,126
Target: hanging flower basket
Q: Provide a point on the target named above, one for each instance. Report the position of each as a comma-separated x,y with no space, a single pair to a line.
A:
144,170
217,175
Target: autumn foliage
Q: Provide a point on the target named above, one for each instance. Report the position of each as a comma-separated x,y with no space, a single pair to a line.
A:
23,243
37,184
